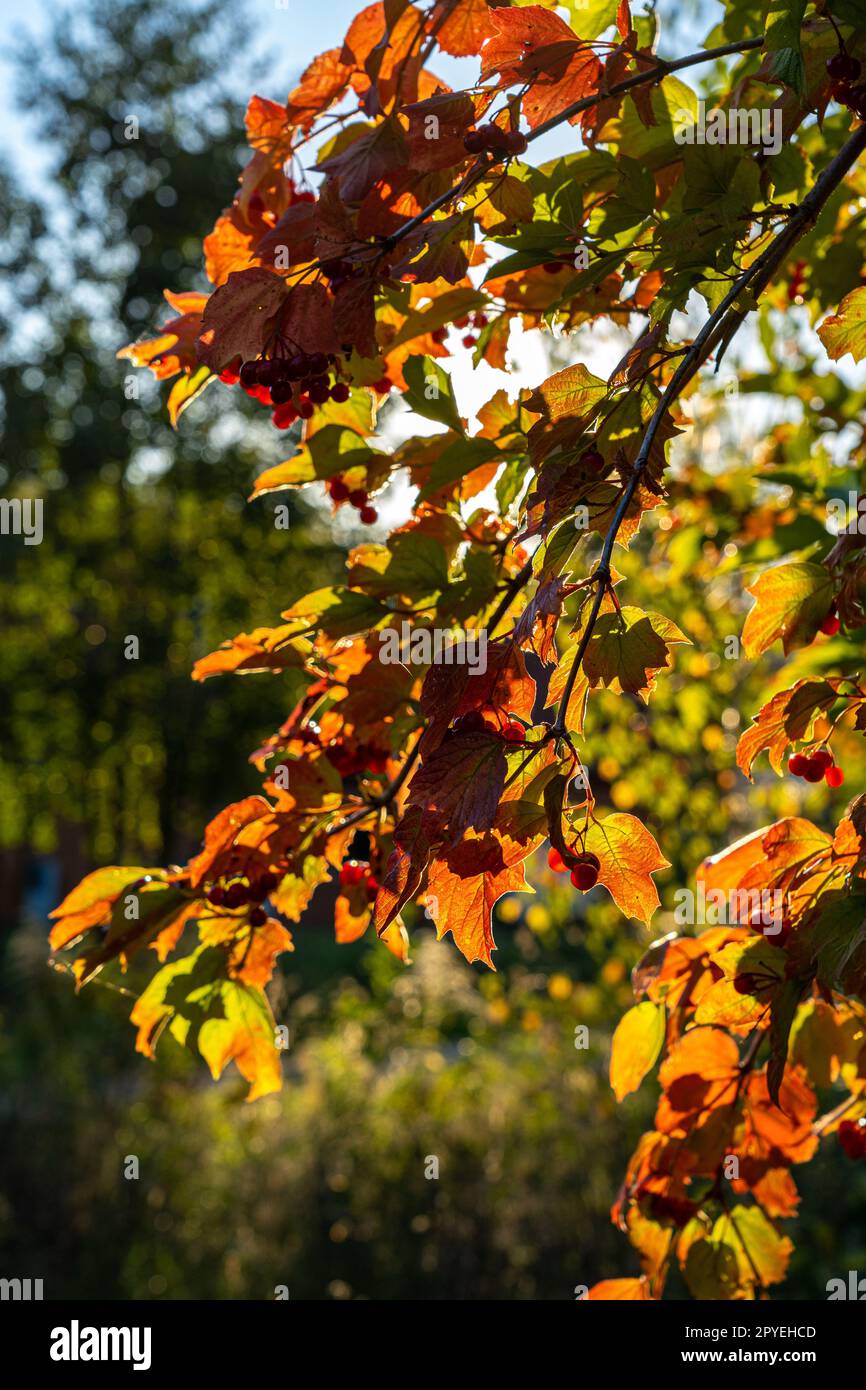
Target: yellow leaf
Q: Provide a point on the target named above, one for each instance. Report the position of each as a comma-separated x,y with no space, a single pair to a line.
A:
635,1048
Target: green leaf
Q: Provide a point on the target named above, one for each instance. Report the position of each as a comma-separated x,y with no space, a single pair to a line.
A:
431,393
628,648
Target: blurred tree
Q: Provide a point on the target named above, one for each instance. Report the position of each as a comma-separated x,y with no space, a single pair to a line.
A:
100,747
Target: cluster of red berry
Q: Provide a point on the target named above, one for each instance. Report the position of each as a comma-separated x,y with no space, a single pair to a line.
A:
495,140
239,892
340,492
476,721
356,873
583,867
844,71
852,1137
813,767
294,384
477,320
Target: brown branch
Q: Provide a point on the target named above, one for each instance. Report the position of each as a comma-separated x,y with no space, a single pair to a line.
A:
720,327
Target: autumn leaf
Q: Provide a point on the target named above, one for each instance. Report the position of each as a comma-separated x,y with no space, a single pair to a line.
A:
461,782
620,1290
628,857
785,720
91,901
461,900
635,1047
845,331
628,648
239,316
791,602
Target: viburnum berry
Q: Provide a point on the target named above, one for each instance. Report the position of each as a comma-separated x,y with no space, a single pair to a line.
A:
797,764
844,67
296,367
336,267
552,267
216,895
249,373
831,624
495,138
852,1137
834,776
813,771
339,392
592,460
358,497
284,416
306,408
480,320
857,100
584,874
368,516
281,393
237,894
439,335
516,142
383,385
556,862
231,372
338,490
469,340
353,872
317,364
472,722
320,391
823,757
371,888
258,916
474,141
462,323
513,731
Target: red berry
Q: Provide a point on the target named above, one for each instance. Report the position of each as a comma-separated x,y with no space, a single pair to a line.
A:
584,875
383,385
439,335
797,764
513,731
258,916
843,67
823,757
296,366
830,625
358,497
857,100
834,776
216,895
317,364
337,490
236,894
552,267
495,138
474,141
480,320
813,771
335,267
592,460
353,872
469,340
368,515
305,409
516,142
371,888
852,1137
320,391
284,416
231,372
339,392
462,323
556,862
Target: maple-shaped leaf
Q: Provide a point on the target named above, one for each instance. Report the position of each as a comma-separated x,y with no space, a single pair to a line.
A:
635,1047
448,246
536,626
322,82
225,1019
437,127
845,331
784,720
373,153
791,602
251,951
628,648
90,902
222,832
574,391
460,899
414,842
743,1251
174,348
628,857
461,26
531,46
460,783
265,649
766,857
160,914
240,316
